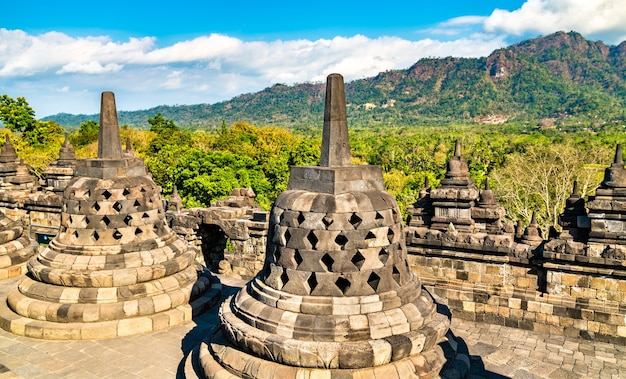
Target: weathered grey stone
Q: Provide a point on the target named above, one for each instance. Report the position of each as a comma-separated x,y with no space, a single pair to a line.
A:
115,254
336,251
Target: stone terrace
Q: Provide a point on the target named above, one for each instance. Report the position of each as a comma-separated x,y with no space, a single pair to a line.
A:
503,352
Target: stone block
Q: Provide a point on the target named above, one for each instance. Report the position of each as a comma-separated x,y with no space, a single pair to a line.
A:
133,326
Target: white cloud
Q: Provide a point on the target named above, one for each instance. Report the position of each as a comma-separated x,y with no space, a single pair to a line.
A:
593,18
204,69
217,67
173,80
89,68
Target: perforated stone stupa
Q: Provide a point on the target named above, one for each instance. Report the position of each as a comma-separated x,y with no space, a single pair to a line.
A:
115,268
16,248
336,297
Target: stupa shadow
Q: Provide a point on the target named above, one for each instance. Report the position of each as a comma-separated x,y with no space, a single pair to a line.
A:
206,324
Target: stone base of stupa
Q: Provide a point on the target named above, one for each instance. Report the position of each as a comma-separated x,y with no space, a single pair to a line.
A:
442,355
204,294
220,359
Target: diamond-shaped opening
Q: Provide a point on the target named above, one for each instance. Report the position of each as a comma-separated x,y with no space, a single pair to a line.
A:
117,206
277,255
117,235
126,192
390,235
373,281
87,220
341,240
312,238
106,220
284,278
287,236
343,284
355,220
96,206
71,219
327,221
96,236
358,260
370,236
297,257
396,215
128,219
107,194
396,274
300,218
379,216
136,203
327,261
312,282
383,255
138,231
75,233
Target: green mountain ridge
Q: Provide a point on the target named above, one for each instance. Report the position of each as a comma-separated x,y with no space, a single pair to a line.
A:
558,76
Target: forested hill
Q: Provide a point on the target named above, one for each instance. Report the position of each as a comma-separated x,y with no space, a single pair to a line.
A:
556,77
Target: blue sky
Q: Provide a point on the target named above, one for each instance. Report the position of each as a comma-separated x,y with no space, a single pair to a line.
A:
61,55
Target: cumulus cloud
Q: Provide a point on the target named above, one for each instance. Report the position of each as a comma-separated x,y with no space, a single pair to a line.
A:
217,67
204,69
593,18
90,68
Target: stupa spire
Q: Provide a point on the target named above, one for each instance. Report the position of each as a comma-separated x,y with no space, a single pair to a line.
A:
109,146
575,190
335,144
619,159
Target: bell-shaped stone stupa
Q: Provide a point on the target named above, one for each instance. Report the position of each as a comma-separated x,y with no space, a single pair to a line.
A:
115,268
336,297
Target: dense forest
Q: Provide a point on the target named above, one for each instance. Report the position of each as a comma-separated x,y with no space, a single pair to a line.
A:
530,169
531,119
560,79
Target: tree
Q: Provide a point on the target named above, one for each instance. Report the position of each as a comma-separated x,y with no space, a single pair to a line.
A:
16,114
87,133
541,179
160,124
43,133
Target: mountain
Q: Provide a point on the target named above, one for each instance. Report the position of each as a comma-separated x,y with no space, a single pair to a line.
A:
558,76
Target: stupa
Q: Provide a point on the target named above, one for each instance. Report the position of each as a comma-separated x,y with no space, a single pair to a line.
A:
336,297
454,199
14,174
61,171
115,268
16,248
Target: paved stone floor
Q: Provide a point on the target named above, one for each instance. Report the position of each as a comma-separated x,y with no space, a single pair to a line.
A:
497,352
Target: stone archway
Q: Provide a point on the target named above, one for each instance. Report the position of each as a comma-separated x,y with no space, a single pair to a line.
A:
213,244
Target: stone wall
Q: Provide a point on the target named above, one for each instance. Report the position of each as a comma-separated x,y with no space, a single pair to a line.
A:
572,284
232,233
541,296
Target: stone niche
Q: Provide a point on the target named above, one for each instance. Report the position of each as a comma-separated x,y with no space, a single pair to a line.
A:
336,296
115,268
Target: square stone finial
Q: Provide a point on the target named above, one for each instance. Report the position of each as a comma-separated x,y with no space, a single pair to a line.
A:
109,146
335,143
